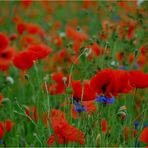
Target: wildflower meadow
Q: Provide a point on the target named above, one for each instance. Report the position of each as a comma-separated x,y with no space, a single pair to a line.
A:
74,73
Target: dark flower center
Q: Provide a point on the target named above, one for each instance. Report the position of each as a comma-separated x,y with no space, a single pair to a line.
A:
4,55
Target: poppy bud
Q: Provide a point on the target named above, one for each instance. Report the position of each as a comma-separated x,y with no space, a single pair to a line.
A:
10,80
98,139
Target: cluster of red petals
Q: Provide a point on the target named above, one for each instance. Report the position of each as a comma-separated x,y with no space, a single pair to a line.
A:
1,131
31,112
1,98
104,126
142,58
75,35
83,91
58,85
6,53
57,40
24,59
54,114
40,51
4,41
5,127
64,132
144,135
138,79
28,27
111,82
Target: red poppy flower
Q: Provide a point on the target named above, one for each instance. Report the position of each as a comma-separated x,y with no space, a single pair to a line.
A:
6,57
131,30
21,28
65,132
75,35
32,28
143,49
4,41
58,86
23,60
57,40
111,82
1,98
122,82
103,82
138,79
40,51
104,126
131,58
26,3
144,135
125,132
8,125
54,114
96,49
88,94
32,113
142,60
1,130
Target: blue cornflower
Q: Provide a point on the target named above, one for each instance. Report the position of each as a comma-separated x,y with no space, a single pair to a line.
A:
136,124
103,99
78,107
123,67
136,66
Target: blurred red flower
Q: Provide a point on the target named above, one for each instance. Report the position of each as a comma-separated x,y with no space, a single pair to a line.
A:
8,125
104,126
4,41
138,79
1,130
6,57
40,51
21,28
86,95
111,82
58,86
65,132
144,135
23,60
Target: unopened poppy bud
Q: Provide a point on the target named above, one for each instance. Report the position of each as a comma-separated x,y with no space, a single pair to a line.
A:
98,140
87,51
78,28
62,34
34,134
26,76
69,90
5,100
46,78
136,52
123,108
64,80
10,80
